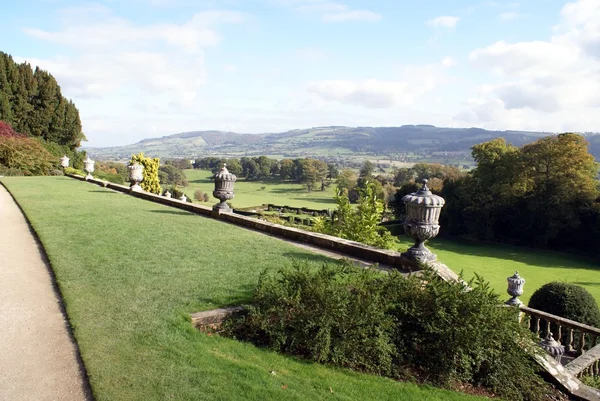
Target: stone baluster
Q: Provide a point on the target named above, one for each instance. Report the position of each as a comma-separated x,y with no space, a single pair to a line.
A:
570,340
581,345
548,328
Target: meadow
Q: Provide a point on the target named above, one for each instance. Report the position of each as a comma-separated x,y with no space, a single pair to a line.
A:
131,271
251,193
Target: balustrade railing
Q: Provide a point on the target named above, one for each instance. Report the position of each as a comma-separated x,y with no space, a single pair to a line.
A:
580,340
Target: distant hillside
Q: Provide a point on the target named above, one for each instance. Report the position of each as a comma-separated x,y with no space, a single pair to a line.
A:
405,143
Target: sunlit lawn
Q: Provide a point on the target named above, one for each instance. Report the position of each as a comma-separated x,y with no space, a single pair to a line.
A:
250,193
131,271
497,262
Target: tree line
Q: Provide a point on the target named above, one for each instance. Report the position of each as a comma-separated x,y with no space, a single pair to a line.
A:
312,173
32,103
544,194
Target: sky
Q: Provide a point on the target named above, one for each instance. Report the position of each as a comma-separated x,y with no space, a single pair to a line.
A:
148,68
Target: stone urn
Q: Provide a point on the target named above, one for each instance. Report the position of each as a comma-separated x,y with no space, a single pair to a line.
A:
515,289
422,214
552,347
167,194
136,175
88,167
64,161
183,198
223,188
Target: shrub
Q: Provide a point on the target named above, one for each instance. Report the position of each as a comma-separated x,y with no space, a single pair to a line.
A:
71,170
25,154
567,300
206,197
199,195
395,326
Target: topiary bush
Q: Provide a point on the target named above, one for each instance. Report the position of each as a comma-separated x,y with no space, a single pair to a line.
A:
391,325
567,300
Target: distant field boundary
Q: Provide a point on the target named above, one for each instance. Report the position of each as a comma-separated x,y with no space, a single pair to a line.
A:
324,241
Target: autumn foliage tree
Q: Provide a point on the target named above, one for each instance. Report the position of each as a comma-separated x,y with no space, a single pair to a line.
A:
20,155
542,194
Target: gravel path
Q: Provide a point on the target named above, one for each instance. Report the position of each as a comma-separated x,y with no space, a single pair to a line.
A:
38,358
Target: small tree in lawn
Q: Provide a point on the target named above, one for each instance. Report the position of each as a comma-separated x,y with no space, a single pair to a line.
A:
359,224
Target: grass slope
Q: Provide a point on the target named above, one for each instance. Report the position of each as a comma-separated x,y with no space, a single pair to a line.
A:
130,272
249,193
497,262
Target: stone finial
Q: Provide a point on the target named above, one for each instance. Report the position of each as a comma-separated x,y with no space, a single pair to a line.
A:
552,347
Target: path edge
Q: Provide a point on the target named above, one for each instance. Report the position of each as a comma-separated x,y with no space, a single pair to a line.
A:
86,387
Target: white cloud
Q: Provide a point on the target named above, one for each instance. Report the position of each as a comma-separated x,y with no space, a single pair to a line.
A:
113,54
547,85
509,16
329,11
415,82
448,62
444,21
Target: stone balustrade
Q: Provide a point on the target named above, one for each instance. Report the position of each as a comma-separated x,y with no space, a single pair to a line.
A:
580,340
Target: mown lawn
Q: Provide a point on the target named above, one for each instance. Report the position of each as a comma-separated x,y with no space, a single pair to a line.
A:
131,272
497,262
250,193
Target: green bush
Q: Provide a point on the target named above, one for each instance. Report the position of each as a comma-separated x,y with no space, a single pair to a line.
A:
567,300
71,170
395,326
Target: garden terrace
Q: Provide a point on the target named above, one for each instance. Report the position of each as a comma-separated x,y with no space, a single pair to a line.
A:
131,272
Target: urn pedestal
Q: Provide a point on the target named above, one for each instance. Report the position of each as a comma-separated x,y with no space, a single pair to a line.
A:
136,175
421,223
223,189
88,167
515,289
64,161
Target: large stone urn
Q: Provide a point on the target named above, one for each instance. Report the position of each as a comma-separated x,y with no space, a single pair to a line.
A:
515,289
136,175
223,188
64,161
422,214
88,167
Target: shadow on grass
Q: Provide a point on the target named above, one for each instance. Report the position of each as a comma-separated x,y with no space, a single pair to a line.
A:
318,200
180,212
106,191
238,295
527,255
589,283
287,190
310,257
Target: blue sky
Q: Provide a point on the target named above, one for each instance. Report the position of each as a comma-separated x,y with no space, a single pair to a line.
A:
147,68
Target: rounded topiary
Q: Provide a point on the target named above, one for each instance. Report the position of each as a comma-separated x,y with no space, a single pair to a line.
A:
567,300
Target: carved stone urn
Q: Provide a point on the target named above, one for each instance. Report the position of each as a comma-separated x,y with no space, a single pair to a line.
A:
422,214
64,161
552,347
167,194
136,176
88,167
223,188
515,289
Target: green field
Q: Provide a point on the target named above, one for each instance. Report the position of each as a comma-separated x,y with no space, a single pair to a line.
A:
249,193
131,271
497,262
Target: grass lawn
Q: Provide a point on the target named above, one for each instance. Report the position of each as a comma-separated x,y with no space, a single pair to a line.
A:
497,262
131,271
249,193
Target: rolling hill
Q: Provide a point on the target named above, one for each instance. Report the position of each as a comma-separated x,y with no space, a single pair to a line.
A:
405,143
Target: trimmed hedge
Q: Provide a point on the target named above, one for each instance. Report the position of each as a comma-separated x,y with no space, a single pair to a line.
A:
405,328
567,300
